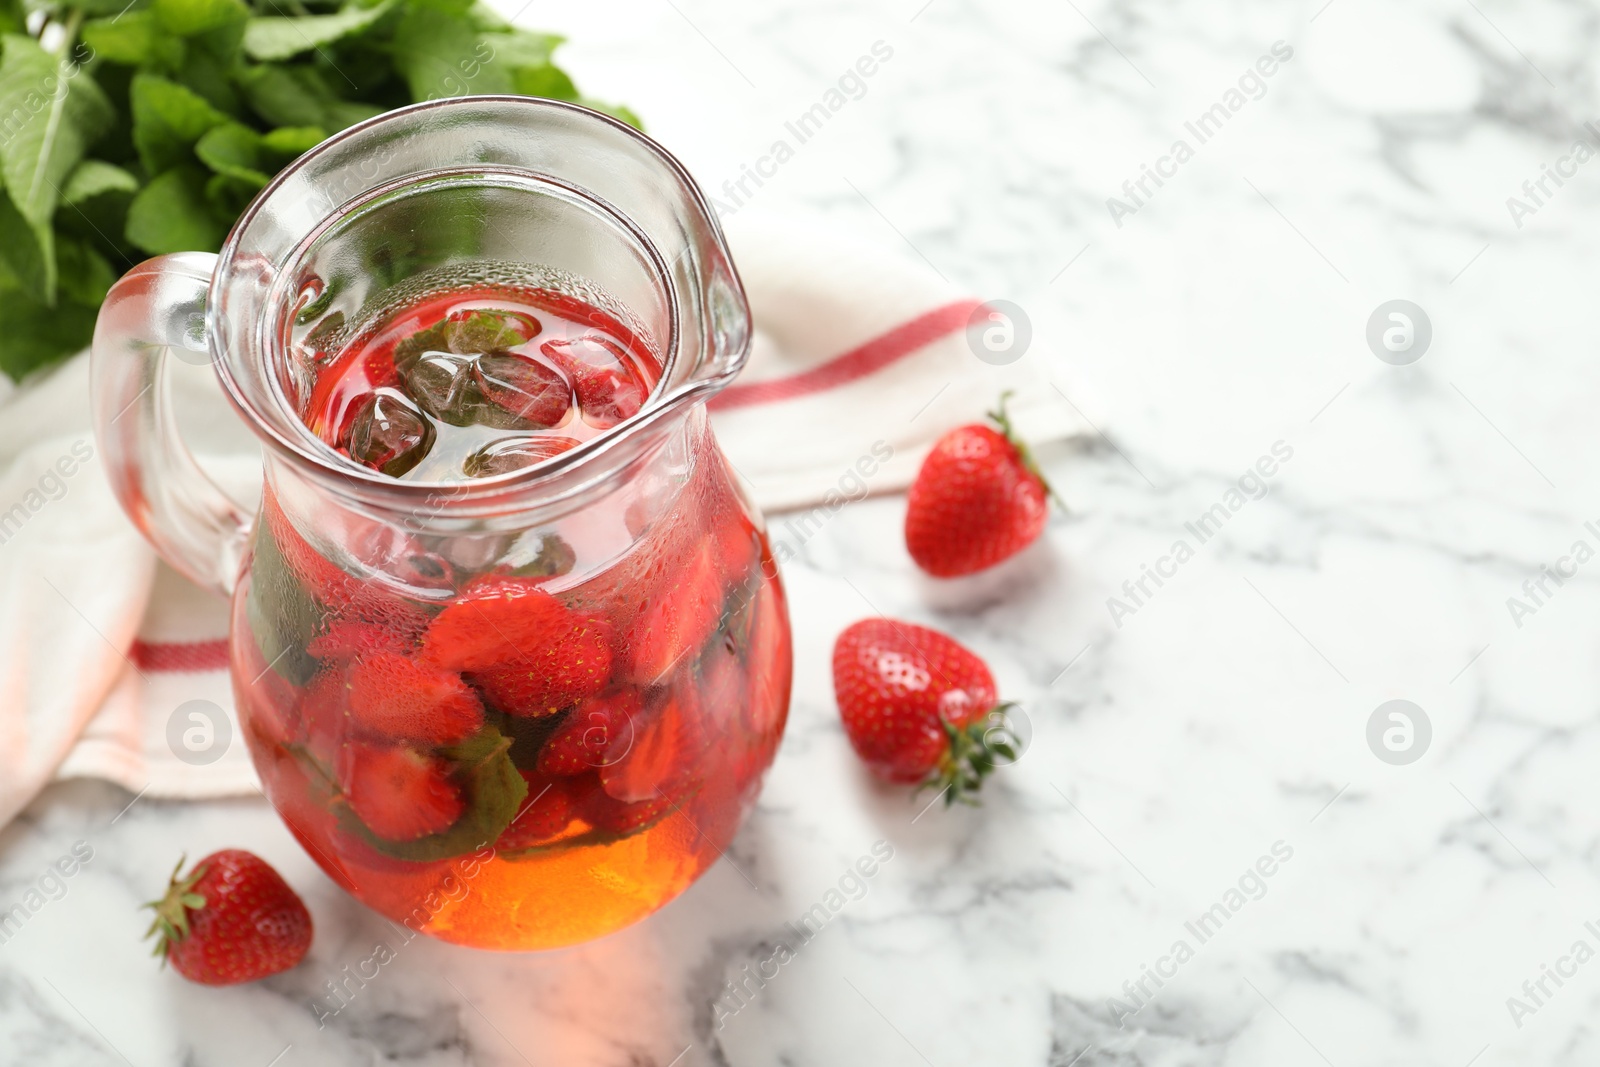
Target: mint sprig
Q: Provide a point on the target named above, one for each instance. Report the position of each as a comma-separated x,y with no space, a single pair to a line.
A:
491,787
131,130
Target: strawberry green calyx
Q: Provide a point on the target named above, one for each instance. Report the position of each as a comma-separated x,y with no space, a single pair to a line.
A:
171,923
1002,420
976,751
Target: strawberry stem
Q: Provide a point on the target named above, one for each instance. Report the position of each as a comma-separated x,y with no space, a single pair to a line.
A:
975,752
171,923
1003,420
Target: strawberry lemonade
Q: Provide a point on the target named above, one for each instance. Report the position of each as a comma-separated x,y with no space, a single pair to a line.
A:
541,739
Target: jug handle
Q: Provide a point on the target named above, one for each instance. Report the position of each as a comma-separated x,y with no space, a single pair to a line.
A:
156,309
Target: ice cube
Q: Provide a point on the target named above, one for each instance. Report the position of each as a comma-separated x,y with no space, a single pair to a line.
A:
441,384
609,388
389,434
520,393
513,453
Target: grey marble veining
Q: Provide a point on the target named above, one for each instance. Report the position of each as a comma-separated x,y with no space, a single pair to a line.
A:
1173,747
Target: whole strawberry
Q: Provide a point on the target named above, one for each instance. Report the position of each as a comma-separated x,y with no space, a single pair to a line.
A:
917,705
525,650
231,919
978,499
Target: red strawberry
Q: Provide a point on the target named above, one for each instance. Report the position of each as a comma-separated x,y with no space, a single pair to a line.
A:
302,804
400,699
679,615
400,794
722,683
231,919
324,711
528,652
346,639
978,499
667,594
769,663
599,731
548,810
666,748
267,702
605,812
914,703
495,620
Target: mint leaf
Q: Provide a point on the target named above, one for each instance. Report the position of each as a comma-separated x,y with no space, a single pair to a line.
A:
28,252
442,55
93,7
168,119
280,613
85,275
554,557
475,334
290,142
522,48
300,96
61,112
209,60
35,335
486,19
548,81
234,150
94,209
94,177
171,214
269,39
190,107
135,39
228,195
616,111
189,17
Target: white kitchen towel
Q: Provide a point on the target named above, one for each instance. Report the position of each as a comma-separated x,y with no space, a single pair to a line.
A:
112,666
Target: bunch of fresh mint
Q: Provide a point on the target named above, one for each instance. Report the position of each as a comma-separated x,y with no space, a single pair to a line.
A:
130,128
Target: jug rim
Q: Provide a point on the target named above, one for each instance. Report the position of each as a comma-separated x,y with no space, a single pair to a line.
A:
665,404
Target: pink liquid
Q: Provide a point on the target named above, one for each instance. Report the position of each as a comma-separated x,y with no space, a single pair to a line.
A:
669,663
480,383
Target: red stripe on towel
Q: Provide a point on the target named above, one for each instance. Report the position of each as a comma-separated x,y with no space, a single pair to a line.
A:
185,656
859,362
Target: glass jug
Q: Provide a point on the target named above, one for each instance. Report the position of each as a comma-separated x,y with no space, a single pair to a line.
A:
517,710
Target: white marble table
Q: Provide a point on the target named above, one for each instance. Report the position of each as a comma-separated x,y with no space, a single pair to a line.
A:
1182,737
